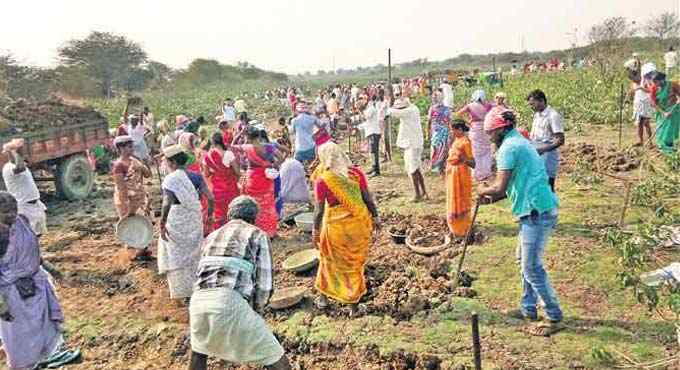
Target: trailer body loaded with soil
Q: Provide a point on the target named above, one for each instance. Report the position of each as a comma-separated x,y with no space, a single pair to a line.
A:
60,149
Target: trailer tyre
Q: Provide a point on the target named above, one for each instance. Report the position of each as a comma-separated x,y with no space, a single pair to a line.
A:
75,177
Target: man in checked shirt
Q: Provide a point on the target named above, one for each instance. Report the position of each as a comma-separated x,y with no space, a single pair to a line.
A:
234,284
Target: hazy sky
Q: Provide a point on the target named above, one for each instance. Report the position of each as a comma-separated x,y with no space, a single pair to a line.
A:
298,35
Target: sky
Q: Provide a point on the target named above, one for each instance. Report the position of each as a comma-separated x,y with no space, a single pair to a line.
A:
294,36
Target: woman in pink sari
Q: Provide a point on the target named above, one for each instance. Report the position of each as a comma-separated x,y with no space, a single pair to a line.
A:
481,145
260,181
222,170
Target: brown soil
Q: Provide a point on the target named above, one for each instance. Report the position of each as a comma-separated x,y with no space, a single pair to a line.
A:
31,115
604,159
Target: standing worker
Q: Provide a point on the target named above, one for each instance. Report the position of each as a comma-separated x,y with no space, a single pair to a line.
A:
547,133
481,146
410,139
671,60
20,183
372,131
459,181
522,178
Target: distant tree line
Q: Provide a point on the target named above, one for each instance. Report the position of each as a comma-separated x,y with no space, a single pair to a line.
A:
104,64
607,42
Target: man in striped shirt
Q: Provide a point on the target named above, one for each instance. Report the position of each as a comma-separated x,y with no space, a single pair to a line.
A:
235,282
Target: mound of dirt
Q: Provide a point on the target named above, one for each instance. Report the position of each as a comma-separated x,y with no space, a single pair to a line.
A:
31,115
606,159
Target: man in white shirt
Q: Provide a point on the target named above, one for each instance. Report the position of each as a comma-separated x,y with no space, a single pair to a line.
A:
354,93
547,133
372,131
410,139
228,111
447,92
19,182
671,60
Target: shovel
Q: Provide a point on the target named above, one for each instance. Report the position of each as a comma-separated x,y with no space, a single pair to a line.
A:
466,242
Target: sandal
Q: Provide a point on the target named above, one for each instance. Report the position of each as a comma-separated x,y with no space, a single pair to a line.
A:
321,302
546,329
520,315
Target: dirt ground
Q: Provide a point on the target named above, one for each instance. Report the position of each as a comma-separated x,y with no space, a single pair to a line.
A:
120,315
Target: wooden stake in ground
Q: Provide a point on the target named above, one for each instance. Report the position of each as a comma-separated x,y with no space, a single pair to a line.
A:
476,343
621,96
466,242
625,205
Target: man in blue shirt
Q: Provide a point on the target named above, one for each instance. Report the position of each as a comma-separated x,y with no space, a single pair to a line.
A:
523,179
302,127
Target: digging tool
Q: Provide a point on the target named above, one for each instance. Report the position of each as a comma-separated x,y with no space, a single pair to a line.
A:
466,242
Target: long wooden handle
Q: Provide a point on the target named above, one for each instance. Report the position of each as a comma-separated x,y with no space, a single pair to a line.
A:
466,242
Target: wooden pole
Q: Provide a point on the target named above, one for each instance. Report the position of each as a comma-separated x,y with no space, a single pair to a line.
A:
476,344
626,201
621,117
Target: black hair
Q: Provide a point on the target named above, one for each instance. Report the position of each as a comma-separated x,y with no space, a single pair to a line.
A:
659,76
119,146
218,140
509,116
253,133
538,95
180,159
671,48
243,117
264,136
460,125
282,121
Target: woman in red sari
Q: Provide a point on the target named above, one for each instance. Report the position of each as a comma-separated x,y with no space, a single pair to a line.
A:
222,170
260,181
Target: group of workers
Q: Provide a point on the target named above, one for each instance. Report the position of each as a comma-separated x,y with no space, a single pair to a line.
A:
223,196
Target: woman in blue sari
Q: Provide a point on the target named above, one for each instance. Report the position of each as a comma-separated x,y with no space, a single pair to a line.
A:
439,118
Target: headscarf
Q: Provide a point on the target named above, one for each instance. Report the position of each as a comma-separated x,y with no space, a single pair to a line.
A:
13,144
187,141
647,68
630,64
332,157
478,96
437,98
180,121
122,139
494,119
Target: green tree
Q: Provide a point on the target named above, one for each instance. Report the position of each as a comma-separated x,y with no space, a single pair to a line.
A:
110,59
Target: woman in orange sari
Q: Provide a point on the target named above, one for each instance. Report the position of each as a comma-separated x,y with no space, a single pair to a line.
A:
344,220
459,181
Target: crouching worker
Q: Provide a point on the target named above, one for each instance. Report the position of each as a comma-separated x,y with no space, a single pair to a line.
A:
30,314
234,284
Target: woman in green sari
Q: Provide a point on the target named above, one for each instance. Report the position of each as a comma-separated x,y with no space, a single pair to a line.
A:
665,95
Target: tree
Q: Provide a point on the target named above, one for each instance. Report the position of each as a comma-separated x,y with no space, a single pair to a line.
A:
610,30
609,45
108,58
663,26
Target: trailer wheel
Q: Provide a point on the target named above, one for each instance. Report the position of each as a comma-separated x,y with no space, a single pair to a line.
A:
75,177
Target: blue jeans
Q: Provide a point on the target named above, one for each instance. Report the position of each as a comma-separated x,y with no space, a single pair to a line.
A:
534,231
